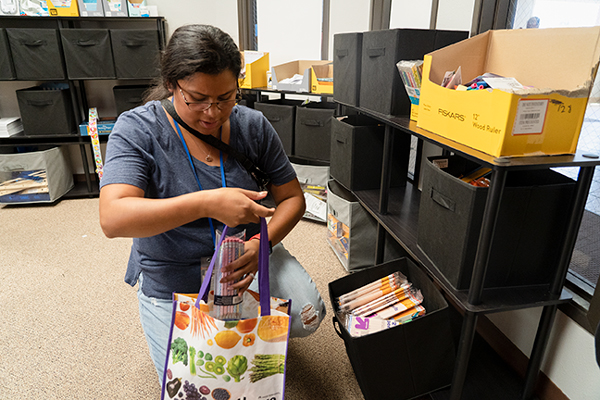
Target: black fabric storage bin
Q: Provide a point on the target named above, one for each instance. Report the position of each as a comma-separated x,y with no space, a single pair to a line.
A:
313,130
36,54
7,71
347,51
529,231
47,109
406,361
128,96
446,38
357,153
88,53
282,115
381,87
136,53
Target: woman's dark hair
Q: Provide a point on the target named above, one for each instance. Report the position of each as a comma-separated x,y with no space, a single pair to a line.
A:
192,49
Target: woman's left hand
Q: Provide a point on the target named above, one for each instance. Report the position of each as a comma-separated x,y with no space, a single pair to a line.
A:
245,268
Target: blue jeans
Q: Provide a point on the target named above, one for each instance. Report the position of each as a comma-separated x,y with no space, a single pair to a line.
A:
288,280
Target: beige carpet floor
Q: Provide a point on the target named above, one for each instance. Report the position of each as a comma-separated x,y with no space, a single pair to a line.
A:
69,325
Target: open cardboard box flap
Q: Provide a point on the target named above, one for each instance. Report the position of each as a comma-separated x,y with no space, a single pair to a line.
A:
563,59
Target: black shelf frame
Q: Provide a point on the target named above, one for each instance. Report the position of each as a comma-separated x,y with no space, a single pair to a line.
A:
396,211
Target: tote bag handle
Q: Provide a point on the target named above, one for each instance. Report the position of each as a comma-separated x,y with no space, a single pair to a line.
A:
263,270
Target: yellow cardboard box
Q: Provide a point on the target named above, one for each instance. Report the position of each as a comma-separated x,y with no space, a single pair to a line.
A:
321,78
289,69
62,8
256,65
557,66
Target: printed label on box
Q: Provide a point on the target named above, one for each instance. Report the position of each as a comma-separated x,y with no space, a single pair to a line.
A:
531,116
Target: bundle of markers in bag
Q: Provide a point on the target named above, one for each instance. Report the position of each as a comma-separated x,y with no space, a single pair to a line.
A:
382,304
227,304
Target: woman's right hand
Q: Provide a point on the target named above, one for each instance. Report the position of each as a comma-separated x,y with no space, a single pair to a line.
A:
234,206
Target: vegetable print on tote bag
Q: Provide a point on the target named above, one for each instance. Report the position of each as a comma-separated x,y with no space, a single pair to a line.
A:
213,359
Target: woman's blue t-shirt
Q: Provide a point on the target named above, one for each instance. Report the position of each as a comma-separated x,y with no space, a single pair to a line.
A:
144,151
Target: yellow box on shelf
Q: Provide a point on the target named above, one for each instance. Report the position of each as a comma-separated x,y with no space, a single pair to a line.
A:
556,67
254,72
321,78
62,8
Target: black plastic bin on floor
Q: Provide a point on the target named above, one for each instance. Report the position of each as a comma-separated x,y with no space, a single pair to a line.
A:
47,109
529,230
136,53
347,50
406,361
88,53
313,130
128,96
37,52
282,115
7,70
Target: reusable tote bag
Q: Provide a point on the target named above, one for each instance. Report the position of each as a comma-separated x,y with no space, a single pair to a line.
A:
209,358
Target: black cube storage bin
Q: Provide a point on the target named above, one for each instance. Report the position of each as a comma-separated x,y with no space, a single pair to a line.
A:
381,87
36,54
282,115
347,51
529,231
136,53
7,70
88,53
128,96
445,38
406,361
313,130
357,153
47,109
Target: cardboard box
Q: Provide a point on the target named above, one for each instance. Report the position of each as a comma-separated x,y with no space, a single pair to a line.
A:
560,64
104,127
91,8
414,112
256,65
321,78
62,8
288,70
115,8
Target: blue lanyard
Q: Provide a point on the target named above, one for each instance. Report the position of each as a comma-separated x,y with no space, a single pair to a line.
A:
223,182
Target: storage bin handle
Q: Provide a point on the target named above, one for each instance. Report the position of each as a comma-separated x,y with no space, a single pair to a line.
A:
442,200
274,119
312,122
134,100
341,52
38,42
341,139
40,103
336,327
86,42
133,43
376,52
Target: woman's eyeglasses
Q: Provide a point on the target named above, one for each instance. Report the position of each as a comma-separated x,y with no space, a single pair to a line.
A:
201,106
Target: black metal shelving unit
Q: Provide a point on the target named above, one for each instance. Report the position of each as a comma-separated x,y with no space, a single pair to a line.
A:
396,211
77,87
